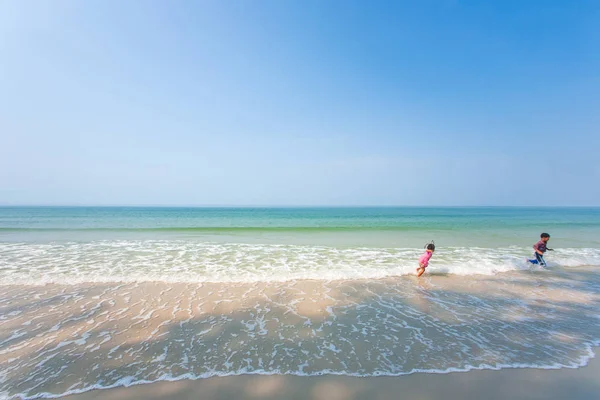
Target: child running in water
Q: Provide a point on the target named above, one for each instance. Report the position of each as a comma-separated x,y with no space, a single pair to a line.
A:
540,248
424,259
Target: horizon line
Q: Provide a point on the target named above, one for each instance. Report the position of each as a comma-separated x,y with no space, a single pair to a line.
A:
284,206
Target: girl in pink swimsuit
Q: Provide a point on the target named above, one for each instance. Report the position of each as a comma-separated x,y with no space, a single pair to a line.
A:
424,259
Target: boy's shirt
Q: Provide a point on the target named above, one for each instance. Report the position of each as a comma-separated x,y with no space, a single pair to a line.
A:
541,246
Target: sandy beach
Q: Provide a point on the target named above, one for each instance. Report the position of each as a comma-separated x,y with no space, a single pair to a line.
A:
531,384
304,339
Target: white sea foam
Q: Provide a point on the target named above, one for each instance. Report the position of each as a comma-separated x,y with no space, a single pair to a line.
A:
365,327
188,261
130,381
380,328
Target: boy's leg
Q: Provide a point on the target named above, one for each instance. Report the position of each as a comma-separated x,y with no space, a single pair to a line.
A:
540,259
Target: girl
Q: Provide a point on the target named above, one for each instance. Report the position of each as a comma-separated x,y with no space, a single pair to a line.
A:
424,259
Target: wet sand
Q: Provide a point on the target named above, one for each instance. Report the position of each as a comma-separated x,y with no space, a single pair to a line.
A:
576,384
308,337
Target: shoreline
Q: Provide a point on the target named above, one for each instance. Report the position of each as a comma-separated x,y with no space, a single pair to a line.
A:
518,383
302,335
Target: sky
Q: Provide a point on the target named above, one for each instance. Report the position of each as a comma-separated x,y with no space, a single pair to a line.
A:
300,103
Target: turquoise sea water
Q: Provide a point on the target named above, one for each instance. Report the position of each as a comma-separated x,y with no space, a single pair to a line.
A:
486,226
49,244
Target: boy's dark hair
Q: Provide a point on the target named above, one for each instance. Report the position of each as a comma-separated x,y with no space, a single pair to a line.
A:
544,235
430,246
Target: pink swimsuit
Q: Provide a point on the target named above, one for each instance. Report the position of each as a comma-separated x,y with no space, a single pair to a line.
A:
424,259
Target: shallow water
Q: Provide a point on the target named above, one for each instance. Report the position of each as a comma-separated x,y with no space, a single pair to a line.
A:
190,261
59,339
102,297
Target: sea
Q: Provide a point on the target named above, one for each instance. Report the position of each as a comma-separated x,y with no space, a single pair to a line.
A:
102,297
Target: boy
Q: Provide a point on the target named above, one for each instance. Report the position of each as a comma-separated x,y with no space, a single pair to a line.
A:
540,248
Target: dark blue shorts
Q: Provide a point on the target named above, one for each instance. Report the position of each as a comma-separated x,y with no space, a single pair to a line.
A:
540,259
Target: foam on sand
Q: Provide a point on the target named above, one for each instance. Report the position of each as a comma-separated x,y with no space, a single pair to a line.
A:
64,339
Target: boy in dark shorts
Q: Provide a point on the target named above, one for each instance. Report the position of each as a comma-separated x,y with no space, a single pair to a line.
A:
540,248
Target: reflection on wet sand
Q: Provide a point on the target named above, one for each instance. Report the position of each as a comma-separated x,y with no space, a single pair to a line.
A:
58,339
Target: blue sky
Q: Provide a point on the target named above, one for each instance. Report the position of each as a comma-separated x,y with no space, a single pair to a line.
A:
300,102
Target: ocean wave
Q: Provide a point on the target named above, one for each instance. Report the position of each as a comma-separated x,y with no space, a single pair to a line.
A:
188,261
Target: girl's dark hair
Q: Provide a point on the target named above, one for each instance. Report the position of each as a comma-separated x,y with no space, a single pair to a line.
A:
430,246
544,235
